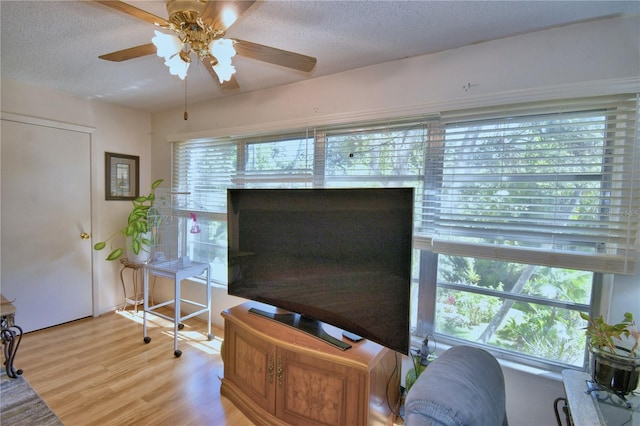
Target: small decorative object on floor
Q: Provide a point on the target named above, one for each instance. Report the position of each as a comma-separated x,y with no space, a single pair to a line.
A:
21,405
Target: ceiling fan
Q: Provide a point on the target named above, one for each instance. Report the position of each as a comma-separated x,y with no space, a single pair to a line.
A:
199,27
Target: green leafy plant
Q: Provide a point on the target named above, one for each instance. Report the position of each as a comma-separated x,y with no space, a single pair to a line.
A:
137,226
602,335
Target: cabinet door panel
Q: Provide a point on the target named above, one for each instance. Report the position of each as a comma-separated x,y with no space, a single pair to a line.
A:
316,392
251,366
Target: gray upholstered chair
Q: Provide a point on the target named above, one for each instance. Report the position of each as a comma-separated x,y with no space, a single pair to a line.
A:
464,386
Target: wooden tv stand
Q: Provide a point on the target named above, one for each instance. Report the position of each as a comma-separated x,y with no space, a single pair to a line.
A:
277,375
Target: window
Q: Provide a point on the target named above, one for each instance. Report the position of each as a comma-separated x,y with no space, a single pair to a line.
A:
204,171
389,154
518,308
521,211
523,219
285,161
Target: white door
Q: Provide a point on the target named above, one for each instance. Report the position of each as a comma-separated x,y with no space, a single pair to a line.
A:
46,209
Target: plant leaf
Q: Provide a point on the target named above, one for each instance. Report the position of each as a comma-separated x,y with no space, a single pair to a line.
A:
129,230
115,254
136,224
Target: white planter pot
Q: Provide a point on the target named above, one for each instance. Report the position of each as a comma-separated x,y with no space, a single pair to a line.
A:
142,256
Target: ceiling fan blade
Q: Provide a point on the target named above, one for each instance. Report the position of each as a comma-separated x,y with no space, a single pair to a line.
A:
130,53
231,84
273,55
220,15
227,85
134,11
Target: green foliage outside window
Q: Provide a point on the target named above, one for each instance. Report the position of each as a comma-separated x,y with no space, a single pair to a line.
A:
531,328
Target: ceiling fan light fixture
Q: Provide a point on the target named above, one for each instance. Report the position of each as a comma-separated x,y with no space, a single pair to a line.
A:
168,45
229,16
177,66
222,49
199,26
224,71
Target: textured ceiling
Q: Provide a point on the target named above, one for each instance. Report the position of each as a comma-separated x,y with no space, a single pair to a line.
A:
56,44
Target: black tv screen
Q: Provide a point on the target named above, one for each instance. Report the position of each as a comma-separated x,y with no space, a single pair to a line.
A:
337,256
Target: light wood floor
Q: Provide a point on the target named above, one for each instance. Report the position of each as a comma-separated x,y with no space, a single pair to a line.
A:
98,371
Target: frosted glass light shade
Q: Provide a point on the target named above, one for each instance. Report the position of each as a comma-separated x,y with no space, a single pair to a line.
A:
229,16
177,66
168,45
222,49
224,71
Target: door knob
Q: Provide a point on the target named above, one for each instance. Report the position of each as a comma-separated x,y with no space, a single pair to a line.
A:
85,236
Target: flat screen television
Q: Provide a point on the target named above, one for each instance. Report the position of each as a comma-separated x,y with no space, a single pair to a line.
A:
335,256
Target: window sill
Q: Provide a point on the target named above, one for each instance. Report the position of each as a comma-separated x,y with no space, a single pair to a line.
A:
538,372
547,373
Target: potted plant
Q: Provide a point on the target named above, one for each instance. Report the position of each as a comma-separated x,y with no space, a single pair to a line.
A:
136,232
612,366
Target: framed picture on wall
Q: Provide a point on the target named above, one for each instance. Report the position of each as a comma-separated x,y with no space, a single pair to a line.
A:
122,176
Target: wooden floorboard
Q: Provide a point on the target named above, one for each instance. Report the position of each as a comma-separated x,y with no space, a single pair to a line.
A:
99,371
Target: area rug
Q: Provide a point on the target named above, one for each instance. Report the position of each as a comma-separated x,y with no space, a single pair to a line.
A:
21,405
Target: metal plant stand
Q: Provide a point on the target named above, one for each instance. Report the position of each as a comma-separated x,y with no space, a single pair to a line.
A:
135,298
10,334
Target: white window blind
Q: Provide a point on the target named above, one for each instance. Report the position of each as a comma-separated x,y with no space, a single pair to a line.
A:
275,161
380,154
554,184
383,154
204,169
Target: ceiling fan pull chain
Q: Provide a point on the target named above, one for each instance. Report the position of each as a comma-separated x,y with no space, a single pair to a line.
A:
186,114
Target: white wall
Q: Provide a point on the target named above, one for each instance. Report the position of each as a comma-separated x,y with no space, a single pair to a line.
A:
118,130
585,59
548,64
